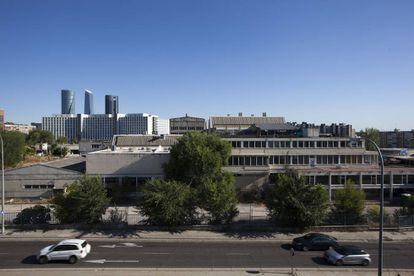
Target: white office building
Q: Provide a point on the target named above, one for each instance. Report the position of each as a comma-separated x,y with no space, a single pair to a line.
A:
136,123
161,126
62,125
97,127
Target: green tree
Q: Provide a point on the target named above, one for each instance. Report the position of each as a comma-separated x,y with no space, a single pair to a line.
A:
85,201
38,136
218,197
167,203
14,147
349,201
61,140
293,202
58,150
196,157
372,134
373,214
197,160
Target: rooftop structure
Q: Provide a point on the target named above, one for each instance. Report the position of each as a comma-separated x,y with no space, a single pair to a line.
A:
182,125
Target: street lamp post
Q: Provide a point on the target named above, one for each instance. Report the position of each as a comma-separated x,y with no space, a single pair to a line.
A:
381,219
2,186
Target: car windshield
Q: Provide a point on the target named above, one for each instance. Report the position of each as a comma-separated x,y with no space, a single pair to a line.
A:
84,244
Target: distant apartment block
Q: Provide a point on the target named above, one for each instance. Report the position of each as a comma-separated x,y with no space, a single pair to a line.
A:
102,127
161,126
233,124
63,125
19,127
397,139
182,125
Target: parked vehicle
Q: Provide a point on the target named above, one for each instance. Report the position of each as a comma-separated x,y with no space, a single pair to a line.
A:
314,241
37,214
70,250
343,255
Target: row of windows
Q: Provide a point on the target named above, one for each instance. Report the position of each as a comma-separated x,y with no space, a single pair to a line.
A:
300,160
294,144
39,186
187,128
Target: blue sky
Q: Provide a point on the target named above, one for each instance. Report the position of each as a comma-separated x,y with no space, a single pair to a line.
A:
316,61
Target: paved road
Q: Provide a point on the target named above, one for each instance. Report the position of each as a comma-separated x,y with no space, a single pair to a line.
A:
21,254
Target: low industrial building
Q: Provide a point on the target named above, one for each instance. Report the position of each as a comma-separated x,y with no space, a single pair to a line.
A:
42,180
182,125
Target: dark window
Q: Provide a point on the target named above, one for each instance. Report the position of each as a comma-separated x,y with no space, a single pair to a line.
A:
295,144
258,144
245,144
270,144
301,144
251,144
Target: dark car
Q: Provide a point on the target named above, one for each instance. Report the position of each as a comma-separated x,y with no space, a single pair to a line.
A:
314,241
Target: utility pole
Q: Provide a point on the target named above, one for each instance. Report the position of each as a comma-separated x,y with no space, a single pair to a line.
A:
2,186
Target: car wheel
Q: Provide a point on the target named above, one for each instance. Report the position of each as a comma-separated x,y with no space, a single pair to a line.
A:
305,248
43,260
365,262
339,263
72,259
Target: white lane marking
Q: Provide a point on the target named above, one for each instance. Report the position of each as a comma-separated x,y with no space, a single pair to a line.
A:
102,261
123,245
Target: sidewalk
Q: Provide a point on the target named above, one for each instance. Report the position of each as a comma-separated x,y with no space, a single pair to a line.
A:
193,235
203,272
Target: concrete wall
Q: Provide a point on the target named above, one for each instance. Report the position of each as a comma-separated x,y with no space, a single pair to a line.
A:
128,164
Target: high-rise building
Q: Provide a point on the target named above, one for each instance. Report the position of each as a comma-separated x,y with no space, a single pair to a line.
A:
88,102
138,123
111,104
68,102
2,115
97,127
63,125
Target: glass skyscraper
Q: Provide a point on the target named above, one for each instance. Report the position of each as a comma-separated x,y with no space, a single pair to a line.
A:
68,102
88,102
111,104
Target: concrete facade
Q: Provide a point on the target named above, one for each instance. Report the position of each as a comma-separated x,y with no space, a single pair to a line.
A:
186,124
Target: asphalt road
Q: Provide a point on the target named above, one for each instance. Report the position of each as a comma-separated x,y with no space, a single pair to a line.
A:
175,254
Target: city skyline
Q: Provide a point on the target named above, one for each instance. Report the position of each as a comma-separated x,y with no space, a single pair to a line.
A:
313,61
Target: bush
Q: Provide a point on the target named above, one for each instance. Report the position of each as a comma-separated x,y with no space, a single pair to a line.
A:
167,203
349,201
293,202
85,201
116,216
37,214
373,214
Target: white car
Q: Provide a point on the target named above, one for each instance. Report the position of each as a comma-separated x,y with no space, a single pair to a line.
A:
70,250
343,255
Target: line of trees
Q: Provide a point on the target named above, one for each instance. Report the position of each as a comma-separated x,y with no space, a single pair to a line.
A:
18,145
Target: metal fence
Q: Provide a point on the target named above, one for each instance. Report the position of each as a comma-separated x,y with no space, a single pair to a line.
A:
245,217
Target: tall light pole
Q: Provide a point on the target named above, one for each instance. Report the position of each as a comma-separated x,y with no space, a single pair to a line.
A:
381,219
2,186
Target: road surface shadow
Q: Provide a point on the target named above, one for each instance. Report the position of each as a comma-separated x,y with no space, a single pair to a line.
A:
241,234
320,261
286,246
30,260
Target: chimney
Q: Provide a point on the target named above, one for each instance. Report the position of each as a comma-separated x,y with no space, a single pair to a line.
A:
240,114
264,114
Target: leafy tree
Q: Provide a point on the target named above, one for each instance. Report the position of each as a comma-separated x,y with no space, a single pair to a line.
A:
197,161
407,208
38,136
85,201
293,202
218,197
373,214
58,150
167,203
196,157
349,201
372,134
14,147
61,140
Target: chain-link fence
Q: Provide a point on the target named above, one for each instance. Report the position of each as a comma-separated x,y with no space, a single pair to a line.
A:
245,216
